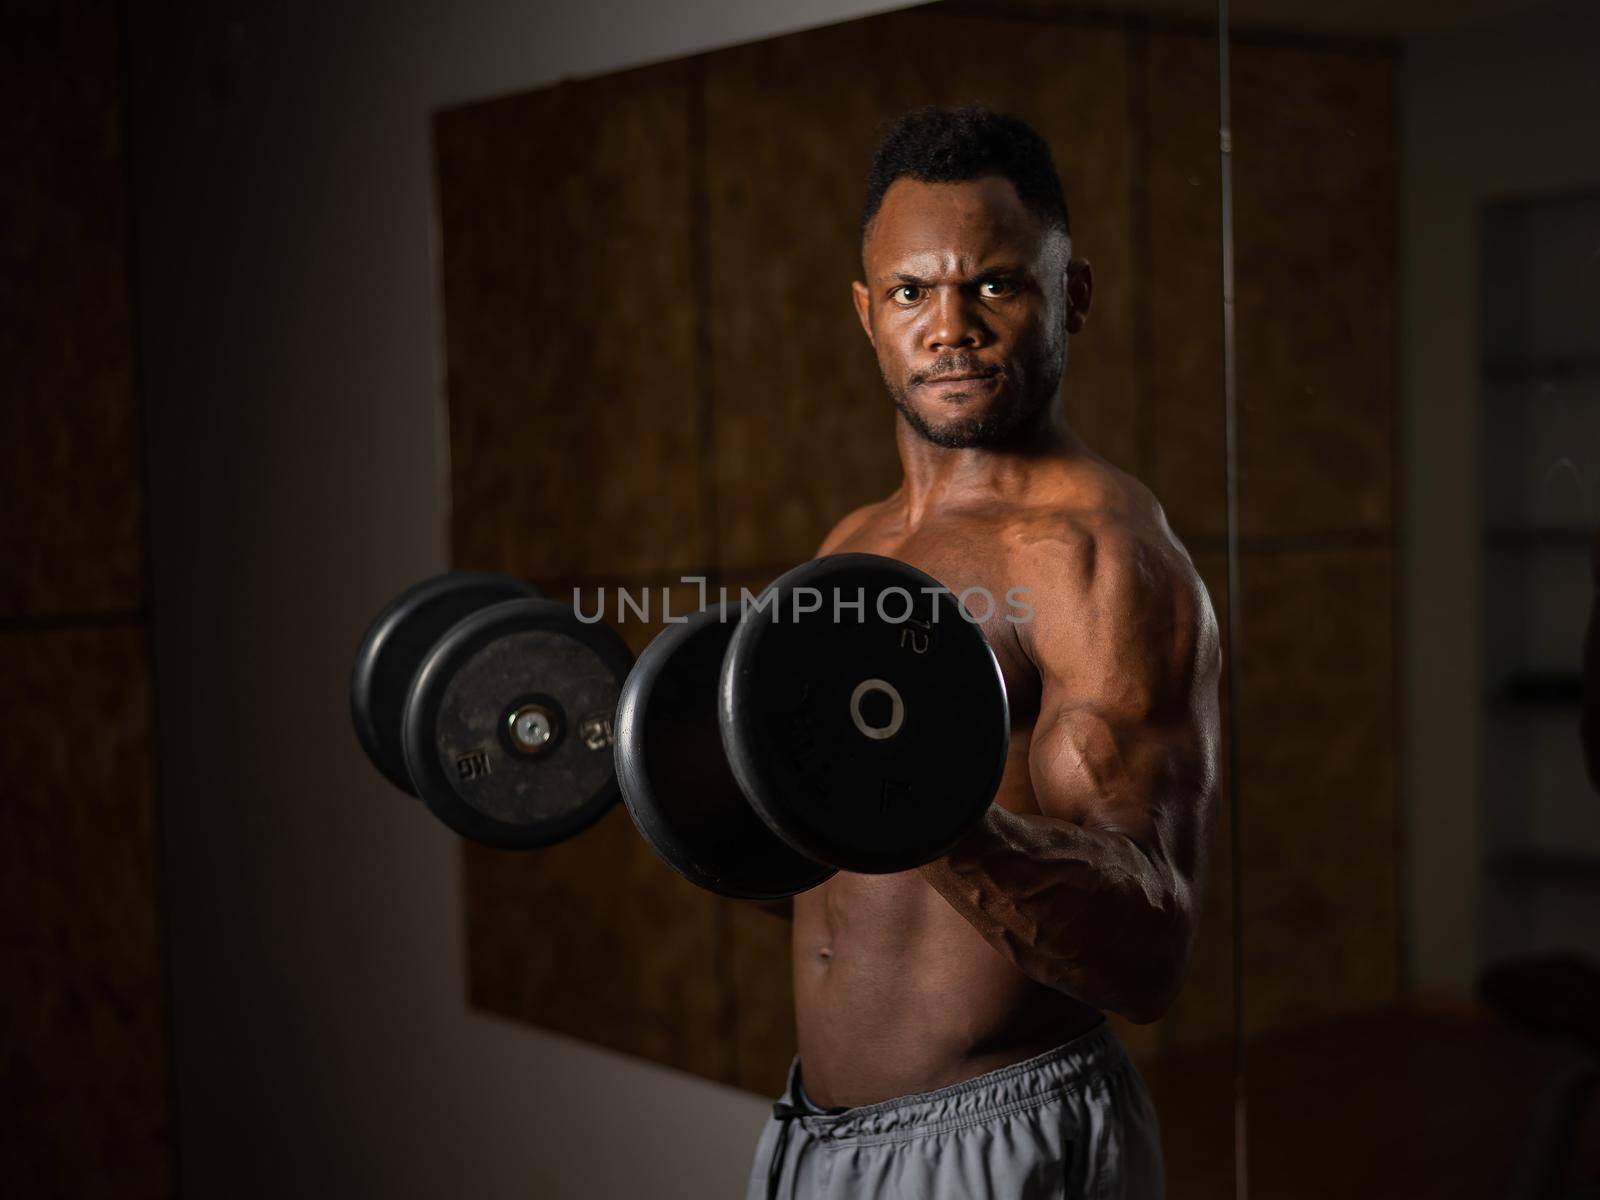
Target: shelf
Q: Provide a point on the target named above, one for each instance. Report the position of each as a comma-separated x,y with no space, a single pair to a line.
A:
1537,865
1542,690
1542,370
1537,537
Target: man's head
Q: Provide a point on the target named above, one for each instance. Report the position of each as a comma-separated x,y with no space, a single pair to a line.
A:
970,288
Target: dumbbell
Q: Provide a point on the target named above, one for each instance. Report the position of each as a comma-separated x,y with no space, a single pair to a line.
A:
759,754
493,706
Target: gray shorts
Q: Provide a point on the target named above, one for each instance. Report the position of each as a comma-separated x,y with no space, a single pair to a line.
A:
1074,1122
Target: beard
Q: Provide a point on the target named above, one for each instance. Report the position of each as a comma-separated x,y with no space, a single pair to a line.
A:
986,431
1023,398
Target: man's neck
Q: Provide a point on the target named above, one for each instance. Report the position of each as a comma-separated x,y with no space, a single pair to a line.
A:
937,477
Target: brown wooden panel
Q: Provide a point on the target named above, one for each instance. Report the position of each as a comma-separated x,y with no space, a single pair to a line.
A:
1318,792
1448,1115
763,983
1183,443
1314,179
1319,799
1318,287
598,938
1193,1094
71,457
84,1077
569,328
1318,775
1324,1124
803,425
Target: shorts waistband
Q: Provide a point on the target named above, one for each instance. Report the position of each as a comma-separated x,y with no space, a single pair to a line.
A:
1021,1085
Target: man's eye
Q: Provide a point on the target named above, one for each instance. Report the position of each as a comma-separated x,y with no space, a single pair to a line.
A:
994,287
907,293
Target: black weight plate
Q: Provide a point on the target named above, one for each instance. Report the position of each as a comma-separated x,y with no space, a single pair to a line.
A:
395,644
505,659
871,741
675,778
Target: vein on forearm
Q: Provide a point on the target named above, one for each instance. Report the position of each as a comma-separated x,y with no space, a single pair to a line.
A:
1086,911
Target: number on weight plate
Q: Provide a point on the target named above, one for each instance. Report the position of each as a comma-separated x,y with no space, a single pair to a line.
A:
473,765
595,732
915,640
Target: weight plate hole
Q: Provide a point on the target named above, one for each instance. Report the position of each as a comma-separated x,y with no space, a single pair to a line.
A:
877,709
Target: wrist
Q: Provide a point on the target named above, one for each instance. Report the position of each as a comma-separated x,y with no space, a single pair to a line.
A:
981,835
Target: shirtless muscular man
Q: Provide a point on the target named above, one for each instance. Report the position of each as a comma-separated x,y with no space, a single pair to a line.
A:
951,1025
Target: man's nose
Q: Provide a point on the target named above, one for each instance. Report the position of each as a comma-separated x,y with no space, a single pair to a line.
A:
953,325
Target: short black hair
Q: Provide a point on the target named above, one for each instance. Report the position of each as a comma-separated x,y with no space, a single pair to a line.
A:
935,144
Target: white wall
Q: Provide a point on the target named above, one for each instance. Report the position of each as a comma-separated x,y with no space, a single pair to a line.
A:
1505,110
289,334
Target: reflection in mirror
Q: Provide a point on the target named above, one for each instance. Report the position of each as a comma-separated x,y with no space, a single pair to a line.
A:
1419,473
654,268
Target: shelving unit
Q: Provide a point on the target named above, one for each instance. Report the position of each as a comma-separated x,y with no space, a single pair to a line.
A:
1540,471
1542,689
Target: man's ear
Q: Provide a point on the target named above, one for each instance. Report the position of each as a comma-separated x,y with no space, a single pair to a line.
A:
863,309
1080,291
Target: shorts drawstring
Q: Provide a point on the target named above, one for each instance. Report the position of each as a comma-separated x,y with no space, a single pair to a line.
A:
785,1115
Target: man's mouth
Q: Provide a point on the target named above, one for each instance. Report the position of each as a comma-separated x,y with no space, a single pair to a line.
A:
959,382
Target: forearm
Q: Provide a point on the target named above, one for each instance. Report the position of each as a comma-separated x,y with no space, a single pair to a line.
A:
1087,912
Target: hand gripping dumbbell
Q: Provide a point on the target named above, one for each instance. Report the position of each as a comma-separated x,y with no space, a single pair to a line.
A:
853,719
493,706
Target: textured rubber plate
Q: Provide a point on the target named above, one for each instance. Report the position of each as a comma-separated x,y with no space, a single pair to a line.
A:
395,645
458,738
675,777
868,733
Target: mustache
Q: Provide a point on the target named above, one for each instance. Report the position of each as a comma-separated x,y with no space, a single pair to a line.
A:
954,364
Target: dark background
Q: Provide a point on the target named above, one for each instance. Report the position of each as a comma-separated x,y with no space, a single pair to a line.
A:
282,306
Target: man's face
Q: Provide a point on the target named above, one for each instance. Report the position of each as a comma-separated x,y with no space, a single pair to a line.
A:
968,301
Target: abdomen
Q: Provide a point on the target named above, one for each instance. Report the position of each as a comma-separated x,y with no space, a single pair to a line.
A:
896,993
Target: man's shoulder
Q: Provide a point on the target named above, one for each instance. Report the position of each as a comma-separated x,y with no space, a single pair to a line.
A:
1112,569
1108,528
